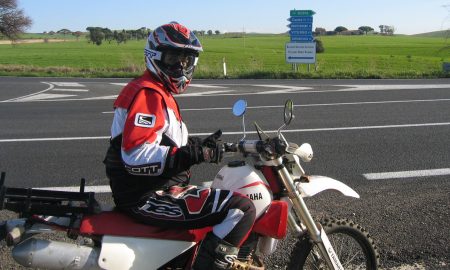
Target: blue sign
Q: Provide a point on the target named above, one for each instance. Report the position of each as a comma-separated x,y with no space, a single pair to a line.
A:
302,38
303,19
300,33
305,26
301,26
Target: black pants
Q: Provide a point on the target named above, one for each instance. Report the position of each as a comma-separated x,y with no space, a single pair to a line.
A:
188,207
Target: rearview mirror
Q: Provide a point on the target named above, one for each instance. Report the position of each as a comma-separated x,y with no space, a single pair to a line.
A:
288,112
239,107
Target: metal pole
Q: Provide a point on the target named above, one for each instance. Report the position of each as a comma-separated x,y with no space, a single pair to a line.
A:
224,68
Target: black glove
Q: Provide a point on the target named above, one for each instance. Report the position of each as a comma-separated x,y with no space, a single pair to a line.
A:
212,139
192,140
213,155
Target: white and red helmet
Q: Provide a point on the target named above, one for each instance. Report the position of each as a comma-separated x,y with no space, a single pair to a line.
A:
171,54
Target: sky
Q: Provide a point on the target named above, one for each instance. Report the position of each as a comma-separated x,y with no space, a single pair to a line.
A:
261,16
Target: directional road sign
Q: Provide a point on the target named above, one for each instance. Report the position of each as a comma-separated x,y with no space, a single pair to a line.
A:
301,25
304,53
308,38
302,19
302,13
300,32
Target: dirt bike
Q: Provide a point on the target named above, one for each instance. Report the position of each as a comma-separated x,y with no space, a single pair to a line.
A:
273,179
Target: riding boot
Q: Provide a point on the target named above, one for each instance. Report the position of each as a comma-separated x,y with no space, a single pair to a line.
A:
215,253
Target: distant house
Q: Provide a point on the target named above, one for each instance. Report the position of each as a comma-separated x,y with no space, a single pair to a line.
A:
352,32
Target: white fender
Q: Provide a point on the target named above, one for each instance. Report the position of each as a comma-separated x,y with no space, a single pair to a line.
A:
119,253
319,183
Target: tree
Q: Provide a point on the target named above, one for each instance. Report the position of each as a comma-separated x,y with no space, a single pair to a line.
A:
340,29
77,34
210,32
96,35
365,29
64,32
13,21
217,32
109,35
387,29
319,46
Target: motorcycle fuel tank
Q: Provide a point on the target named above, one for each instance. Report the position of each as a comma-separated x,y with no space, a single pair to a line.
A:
245,179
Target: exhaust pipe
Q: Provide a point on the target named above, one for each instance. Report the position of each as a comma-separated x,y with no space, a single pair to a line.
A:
44,254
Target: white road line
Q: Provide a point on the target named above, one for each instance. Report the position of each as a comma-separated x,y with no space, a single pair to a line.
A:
43,97
51,86
368,176
321,104
67,84
206,86
239,132
376,87
96,189
70,90
55,139
407,174
206,93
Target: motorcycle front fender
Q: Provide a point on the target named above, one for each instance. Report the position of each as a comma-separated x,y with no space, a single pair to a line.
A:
317,184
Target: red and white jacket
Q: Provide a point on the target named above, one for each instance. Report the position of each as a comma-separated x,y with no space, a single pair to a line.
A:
149,120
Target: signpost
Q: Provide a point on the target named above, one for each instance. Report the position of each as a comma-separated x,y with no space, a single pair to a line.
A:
304,53
301,49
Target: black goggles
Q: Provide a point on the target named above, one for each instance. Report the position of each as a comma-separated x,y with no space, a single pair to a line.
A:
174,58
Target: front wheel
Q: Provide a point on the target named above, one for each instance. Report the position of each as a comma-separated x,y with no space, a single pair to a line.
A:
353,245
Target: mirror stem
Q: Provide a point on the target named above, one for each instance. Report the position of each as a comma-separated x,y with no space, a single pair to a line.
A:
243,126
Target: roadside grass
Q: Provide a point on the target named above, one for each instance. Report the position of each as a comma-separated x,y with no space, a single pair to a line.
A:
250,56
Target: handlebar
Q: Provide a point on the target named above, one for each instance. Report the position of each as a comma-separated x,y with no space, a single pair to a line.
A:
268,148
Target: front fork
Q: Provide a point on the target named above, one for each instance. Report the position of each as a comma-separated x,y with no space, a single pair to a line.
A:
315,231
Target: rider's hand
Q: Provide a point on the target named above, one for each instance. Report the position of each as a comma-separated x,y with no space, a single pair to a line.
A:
192,140
213,154
211,140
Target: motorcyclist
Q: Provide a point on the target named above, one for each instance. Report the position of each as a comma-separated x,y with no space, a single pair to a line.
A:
150,154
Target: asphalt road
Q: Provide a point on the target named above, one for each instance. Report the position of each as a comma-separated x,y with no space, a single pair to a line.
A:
388,139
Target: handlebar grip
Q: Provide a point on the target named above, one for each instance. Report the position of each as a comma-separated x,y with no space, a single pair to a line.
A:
252,146
231,147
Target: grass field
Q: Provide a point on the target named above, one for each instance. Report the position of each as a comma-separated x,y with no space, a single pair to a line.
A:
252,56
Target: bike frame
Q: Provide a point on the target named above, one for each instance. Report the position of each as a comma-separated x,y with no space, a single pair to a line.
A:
314,229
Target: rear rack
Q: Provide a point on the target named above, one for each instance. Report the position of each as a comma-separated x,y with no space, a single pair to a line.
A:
29,201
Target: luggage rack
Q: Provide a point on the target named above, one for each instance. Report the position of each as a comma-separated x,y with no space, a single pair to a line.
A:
28,201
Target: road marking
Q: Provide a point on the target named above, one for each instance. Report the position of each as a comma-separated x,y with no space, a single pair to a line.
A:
51,86
239,132
368,176
407,174
206,86
190,85
43,96
206,93
70,90
321,104
377,87
67,84
96,189
230,92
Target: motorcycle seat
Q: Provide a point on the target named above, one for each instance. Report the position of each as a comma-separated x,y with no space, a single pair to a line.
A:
118,224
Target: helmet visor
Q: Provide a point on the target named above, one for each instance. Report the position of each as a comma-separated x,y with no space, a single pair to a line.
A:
176,58
179,63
